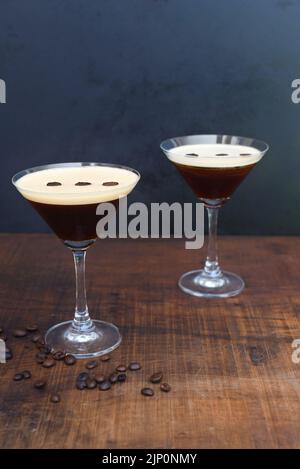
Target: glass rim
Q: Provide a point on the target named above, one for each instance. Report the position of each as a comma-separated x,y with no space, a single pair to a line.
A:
173,142
35,169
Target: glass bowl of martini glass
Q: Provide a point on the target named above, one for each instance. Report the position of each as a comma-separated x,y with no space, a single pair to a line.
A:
213,166
66,196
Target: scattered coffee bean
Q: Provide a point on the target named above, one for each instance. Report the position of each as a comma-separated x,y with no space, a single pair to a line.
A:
58,355
55,398
83,183
35,338
91,383
32,328
48,363
113,378
122,377
8,353
53,184
121,368
19,333
18,377
91,365
156,377
40,384
110,183
165,387
134,366
26,374
81,385
99,379
83,376
147,392
105,385
105,358
70,359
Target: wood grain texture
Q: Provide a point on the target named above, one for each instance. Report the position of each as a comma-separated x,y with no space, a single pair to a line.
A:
219,398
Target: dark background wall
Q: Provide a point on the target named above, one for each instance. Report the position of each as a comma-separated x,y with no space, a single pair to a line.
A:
107,80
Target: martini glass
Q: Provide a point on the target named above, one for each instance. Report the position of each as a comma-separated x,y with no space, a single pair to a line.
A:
213,166
66,195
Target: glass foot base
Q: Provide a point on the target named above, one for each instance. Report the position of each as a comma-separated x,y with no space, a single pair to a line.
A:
198,283
102,338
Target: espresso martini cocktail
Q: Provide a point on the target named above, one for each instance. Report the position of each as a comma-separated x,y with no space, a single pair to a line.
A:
67,195
213,166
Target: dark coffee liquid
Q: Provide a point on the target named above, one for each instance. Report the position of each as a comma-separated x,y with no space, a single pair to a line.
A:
71,222
213,183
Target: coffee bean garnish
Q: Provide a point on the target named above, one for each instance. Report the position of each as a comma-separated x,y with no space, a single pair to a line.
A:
82,183
53,184
91,365
99,379
147,392
191,155
110,183
105,358
32,328
122,377
165,387
113,378
55,398
91,383
121,368
40,384
70,359
49,363
82,376
156,377
58,355
18,377
19,333
134,366
105,386
8,354
26,374
81,385
221,154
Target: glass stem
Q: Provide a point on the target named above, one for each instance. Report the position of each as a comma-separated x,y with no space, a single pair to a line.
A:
211,266
82,321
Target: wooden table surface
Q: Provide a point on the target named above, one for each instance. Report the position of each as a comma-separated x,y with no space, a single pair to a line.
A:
220,398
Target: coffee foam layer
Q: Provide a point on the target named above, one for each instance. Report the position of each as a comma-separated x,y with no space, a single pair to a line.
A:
33,186
214,155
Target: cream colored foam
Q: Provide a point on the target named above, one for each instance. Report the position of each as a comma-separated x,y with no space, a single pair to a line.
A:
33,186
207,155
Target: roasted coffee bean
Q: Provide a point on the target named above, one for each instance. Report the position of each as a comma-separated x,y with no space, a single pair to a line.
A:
83,183
70,359
91,365
40,384
55,398
156,377
134,366
8,353
121,368
18,377
58,355
105,385
165,387
19,333
113,378
53,184
147,392
48,363
35,338
99,379
91,383
122,377
32,328
105,358
26,374
83,376
110,183
81,385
